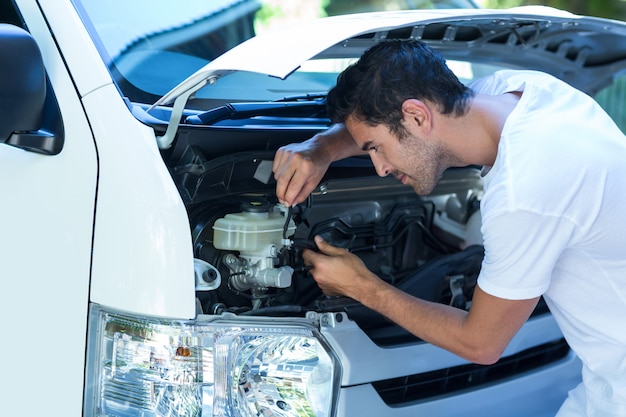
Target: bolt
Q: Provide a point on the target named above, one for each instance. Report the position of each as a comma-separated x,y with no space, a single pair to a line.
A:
230,259
209,276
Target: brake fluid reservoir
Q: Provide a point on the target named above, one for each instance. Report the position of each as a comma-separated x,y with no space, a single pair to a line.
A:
256,231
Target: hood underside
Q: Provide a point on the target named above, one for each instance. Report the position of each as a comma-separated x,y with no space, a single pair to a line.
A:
551,35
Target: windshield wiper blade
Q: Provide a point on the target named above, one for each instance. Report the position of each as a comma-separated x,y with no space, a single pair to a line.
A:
310,96
238,111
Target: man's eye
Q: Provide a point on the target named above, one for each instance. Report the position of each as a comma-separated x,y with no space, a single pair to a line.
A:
373,148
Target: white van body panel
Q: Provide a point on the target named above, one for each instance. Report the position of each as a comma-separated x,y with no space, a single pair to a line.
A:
142,258
46,223
143,261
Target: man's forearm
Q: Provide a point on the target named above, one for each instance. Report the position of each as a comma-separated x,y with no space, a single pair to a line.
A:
435,323
480,338
337,143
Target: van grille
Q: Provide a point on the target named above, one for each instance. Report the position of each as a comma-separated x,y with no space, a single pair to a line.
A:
397,391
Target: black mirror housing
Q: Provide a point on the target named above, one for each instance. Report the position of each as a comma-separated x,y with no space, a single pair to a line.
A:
29,113
22,82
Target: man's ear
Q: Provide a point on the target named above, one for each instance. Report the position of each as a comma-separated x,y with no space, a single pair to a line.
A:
416,112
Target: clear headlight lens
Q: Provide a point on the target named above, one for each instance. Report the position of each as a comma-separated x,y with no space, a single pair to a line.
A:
235,366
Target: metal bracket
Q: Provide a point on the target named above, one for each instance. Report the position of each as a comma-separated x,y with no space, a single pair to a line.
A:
165,141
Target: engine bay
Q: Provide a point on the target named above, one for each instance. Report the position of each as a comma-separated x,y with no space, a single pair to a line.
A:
248,248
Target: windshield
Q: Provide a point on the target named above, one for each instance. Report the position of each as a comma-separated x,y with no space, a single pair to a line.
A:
150,46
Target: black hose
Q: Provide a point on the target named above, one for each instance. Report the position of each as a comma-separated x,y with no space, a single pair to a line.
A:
275,310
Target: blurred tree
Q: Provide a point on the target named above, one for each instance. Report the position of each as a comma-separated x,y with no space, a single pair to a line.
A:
276,12
336,7
281,12
612,9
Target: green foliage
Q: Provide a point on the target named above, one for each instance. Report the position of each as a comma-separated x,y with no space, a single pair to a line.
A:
502,4
612,9
275,13
267,12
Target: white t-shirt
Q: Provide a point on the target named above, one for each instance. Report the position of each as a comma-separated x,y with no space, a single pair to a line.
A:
554,224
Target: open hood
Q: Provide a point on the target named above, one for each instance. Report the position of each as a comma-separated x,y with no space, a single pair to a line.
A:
280,52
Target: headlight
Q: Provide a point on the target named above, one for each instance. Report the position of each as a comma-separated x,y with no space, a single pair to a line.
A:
236,366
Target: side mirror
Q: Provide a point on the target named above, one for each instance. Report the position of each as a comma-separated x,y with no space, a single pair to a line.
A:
23,94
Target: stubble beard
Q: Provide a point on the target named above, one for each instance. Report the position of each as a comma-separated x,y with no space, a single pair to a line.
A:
424,166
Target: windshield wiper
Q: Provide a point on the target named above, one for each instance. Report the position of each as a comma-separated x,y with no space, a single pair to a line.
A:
303,97
237,111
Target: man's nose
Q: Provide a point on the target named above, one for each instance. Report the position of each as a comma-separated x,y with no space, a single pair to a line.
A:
382,168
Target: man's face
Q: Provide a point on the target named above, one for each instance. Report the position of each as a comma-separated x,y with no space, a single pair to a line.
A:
415,162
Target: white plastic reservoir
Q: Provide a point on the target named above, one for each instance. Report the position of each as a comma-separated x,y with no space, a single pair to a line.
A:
251,233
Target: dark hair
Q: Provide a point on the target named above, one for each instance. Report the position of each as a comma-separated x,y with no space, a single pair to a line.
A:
374,88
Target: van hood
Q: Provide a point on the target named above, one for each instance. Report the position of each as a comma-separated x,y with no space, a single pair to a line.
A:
280,52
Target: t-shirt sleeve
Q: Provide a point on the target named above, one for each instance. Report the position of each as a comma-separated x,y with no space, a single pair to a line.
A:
521,250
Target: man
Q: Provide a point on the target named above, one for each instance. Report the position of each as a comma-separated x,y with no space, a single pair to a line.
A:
553,212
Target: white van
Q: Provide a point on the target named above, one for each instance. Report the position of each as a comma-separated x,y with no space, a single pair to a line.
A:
147,268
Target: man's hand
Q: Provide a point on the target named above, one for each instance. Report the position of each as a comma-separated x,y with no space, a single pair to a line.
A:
337,271
298,168
479,336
